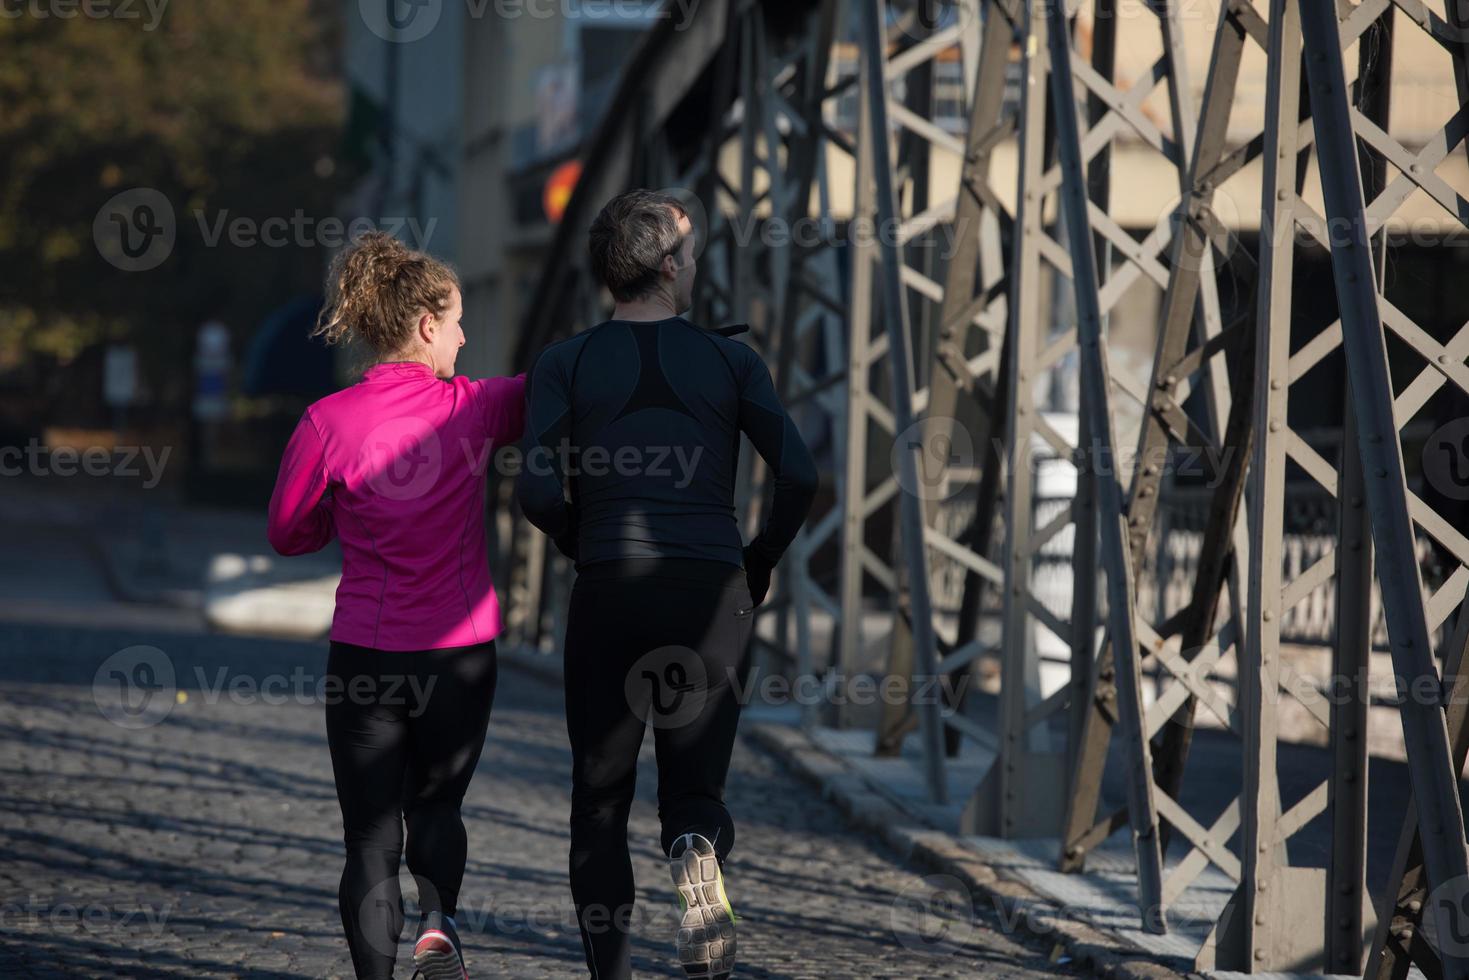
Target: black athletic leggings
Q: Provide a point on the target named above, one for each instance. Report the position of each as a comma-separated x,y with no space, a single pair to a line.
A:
656,642
405,731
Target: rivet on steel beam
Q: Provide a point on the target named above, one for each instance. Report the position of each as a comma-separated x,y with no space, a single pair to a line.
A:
1281,194
1260,885
1267,615
1275,425
1443,358
1259,954
1275,385
1260,919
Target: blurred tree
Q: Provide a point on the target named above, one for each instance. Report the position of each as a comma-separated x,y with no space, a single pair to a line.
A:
228,110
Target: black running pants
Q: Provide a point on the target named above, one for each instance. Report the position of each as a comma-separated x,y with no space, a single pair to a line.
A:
657,642
405,731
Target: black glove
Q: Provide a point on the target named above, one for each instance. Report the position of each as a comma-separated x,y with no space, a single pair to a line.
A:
757,573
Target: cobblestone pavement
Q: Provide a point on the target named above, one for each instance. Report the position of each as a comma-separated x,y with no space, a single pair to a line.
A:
207,844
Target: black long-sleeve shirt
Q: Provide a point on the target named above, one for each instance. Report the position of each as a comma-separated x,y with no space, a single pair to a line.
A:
641,423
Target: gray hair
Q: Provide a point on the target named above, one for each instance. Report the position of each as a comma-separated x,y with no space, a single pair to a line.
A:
629,239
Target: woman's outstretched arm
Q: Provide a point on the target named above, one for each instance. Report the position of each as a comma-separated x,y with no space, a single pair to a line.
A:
300,520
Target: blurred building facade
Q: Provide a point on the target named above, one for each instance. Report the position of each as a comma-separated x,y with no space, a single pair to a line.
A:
406,99
535,85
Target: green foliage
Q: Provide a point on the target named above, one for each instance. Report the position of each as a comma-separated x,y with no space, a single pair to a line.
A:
223,106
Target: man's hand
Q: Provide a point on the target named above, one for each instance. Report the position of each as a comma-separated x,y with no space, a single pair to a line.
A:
757,573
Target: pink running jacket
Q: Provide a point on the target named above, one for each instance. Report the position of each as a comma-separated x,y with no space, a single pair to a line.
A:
395,466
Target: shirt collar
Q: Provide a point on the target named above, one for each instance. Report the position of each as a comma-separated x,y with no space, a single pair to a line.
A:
397,371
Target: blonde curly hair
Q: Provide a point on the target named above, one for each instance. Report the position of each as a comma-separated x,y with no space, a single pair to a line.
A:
377,289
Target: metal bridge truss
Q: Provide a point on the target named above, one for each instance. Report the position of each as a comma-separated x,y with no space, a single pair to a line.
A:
894,357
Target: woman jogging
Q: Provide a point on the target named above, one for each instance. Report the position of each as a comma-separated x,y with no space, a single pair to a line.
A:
394,466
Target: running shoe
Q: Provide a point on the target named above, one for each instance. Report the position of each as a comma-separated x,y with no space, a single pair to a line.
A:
437,954
706,932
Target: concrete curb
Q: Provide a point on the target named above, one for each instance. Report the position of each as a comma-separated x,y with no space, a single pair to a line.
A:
1033,914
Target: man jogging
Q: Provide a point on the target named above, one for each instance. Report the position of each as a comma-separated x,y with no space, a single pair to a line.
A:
638,419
